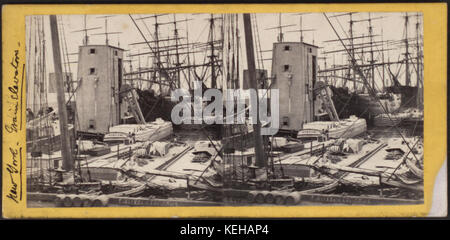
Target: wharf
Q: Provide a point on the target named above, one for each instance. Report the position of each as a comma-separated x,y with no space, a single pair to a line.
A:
378,162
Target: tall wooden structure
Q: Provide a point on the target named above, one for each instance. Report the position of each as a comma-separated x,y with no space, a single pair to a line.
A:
294,73
100,76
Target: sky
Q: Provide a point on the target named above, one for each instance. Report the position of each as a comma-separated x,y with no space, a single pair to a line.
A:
391,24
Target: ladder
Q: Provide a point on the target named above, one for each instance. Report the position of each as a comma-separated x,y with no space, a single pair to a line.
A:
322,91
131,99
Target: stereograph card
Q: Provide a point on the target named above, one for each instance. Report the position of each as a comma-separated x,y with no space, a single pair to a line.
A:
226,110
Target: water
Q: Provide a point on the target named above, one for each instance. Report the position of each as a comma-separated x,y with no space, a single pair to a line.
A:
391,132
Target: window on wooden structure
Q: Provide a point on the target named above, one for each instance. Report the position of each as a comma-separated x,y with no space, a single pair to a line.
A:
92,51
249,161
286,68
285,121
92,124
92,71
56,164
287,48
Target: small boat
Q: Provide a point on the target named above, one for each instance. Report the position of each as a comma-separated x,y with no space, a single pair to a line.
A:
346,128
129,133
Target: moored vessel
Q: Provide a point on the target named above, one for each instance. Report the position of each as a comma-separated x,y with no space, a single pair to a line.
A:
128,133
346,128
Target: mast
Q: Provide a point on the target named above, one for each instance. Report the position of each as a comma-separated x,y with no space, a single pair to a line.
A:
86,38
85,30
238,47
188,54
371,45
372,68
326,74
139,71
301,30
382,56
65,141
408,80
259,153
158,54
350,72
352,51
334,70
176,50
280,28
417,51
418,62
211,43
106,33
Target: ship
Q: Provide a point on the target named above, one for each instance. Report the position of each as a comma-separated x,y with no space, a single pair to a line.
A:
368,98
129,133
345,128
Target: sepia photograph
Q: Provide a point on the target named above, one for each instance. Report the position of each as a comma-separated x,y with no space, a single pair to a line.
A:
209,109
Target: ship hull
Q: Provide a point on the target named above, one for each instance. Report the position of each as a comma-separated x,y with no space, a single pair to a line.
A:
362,105
148,132
387,103
347,128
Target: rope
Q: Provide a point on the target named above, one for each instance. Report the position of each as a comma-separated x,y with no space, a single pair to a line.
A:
154,52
